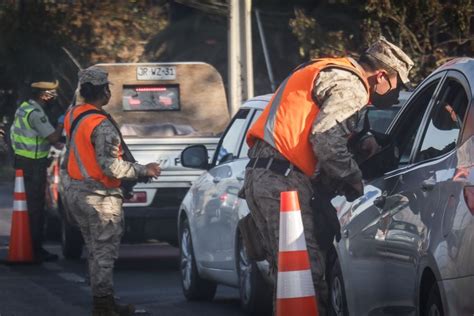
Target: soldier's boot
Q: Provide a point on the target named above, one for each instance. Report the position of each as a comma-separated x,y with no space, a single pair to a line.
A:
104,306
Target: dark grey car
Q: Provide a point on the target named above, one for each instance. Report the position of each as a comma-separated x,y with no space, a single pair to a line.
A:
407,244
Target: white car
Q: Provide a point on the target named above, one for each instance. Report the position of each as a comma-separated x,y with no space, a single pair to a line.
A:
210,244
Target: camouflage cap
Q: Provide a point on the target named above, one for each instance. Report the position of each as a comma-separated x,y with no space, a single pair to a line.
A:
45,85
392,56
94,75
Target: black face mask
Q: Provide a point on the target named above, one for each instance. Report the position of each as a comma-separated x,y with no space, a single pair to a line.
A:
386,100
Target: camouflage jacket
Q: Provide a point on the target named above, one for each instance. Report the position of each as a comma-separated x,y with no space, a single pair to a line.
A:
106,142
342,98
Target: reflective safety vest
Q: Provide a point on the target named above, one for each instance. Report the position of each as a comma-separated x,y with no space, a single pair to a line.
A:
26,141
82,162
286,121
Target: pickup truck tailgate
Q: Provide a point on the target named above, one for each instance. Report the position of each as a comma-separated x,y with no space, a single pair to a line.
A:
167,151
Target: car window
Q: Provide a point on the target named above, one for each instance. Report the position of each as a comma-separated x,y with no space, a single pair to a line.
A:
229,145
380,119
410,121
445,123
245,146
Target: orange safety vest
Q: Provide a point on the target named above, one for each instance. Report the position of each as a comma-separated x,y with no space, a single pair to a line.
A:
82,162
286,121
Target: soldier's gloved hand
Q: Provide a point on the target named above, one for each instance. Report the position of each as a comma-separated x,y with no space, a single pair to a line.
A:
353,190
153,169
369,147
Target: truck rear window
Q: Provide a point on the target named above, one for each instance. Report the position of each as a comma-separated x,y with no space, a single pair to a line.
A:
151,98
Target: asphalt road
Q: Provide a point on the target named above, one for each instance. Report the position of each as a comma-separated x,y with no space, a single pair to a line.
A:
146,275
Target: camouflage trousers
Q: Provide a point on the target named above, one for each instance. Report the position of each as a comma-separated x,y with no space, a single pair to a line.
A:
262,190
100,219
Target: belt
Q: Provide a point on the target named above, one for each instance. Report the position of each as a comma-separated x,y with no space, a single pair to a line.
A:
279,166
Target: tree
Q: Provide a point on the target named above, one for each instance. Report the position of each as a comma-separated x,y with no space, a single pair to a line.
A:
33,35
430,31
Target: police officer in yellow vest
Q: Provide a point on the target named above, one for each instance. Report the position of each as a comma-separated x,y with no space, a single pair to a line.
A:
31,137
304,132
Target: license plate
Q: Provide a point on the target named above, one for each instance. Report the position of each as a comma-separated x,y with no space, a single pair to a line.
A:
156,73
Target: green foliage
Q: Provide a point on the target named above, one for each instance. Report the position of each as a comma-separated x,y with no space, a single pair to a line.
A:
429,31
315,41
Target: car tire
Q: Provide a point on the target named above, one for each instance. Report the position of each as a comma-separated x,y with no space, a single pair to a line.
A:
71,241
433,307
194,287
337,292
255,294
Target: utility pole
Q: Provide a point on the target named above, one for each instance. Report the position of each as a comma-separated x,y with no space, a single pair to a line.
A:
265,50
240,58
247,57
234,61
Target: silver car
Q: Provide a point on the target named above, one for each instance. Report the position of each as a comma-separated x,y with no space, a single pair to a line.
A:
211,248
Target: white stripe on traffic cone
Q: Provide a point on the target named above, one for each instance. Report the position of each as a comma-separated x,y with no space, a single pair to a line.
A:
295,290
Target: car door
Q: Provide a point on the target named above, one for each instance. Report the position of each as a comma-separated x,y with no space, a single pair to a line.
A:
209,194
414,208
230,202
365,221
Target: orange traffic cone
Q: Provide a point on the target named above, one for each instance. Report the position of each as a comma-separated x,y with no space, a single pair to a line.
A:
20,249
295,290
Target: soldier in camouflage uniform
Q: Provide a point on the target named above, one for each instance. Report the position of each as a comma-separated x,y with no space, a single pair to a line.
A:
94,204
341,96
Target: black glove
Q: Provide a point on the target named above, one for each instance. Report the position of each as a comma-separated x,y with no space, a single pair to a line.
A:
326,223
353,191
144,179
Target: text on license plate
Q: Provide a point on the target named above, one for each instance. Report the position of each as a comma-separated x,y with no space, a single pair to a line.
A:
156,73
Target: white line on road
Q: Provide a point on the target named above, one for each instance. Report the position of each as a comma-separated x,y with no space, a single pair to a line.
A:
71,277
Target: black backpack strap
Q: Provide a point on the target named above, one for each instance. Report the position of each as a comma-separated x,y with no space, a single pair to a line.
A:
80,116
127,155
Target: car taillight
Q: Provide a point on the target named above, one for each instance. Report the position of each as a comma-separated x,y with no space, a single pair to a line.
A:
138,197
469,197
223,197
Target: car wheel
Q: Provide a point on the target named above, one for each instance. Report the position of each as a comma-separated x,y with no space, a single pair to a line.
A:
433,307
194,287
337,293
255,293
71,241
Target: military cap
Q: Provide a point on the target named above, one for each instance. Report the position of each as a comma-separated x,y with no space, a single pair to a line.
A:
93,75
392,56
45,85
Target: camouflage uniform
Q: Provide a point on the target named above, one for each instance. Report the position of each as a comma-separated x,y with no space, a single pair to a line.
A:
341,96
98,210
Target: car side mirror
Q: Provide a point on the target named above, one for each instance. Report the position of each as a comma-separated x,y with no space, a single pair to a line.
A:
195,156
